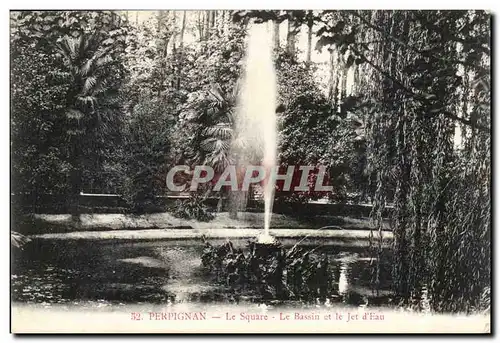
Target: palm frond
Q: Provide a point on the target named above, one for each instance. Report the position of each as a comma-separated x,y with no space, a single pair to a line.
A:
220,131
86,42
74,133
87,100
208,144
219,158
100,88
214,145
87,67
67,47
74,114
89,83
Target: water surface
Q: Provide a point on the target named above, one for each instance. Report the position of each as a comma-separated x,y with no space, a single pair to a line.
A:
103,273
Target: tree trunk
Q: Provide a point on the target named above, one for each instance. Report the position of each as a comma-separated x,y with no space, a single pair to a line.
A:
333,82
355,81
199,25
74,152
174,31
290,38
159,18
219,203
276,34
343,85
233,204
226,20
180,55
330,76
76,181
162,46
183,28
309,36
207,24
223,22
214,17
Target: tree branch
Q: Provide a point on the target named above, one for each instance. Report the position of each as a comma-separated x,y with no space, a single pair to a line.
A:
464,121
406,46
425,98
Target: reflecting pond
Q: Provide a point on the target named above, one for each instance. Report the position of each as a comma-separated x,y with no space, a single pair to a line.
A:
103,273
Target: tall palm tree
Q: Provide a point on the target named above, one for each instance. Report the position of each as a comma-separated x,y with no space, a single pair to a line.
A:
212,112
215,141
86,59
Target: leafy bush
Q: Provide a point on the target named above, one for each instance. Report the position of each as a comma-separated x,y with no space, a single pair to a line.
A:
192,209
145,153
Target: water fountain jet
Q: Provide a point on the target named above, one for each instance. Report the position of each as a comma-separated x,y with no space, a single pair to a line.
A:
256,123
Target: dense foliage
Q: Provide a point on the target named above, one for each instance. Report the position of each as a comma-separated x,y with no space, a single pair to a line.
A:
66,107
427,74
194,208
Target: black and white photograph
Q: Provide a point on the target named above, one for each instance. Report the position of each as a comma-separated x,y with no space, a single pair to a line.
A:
250,171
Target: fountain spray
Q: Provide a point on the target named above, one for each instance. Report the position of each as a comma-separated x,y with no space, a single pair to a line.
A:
256,113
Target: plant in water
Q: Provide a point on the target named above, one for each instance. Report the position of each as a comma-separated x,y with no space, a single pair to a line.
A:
270,272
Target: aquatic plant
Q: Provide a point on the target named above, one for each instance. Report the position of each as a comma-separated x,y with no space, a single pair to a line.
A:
270,271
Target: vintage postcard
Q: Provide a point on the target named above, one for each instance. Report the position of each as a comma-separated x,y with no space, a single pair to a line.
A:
250,171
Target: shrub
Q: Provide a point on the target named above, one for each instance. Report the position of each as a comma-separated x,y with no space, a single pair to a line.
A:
192,209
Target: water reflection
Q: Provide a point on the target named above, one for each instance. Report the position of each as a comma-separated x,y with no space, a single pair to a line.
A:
160,272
